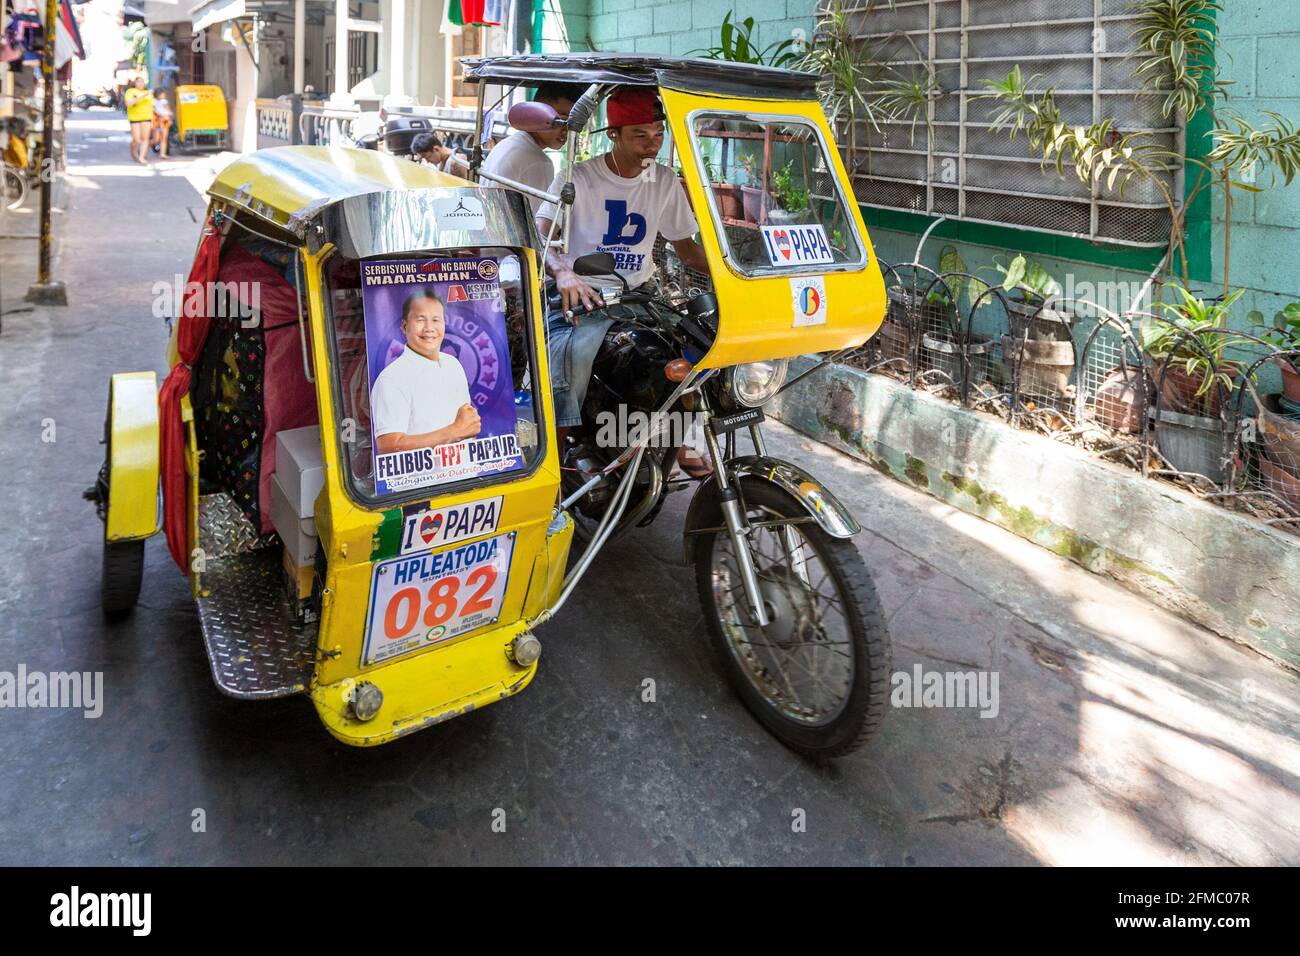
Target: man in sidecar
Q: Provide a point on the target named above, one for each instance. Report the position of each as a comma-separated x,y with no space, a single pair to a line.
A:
623,201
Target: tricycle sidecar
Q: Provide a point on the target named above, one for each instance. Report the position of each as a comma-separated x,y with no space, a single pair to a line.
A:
394,591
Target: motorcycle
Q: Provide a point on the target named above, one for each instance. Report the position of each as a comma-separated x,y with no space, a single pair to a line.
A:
787,599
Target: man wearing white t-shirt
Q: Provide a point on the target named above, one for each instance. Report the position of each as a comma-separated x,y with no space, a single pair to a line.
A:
421,398
522,156
623,200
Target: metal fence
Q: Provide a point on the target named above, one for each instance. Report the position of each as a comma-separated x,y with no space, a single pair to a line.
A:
939,157
289,121
1137,389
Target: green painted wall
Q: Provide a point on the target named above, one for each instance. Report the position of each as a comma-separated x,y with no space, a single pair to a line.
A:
1259,53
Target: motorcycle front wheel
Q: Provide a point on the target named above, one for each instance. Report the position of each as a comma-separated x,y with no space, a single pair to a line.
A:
817,675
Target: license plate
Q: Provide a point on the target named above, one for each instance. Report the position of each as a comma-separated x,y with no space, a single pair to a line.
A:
419,600
726,423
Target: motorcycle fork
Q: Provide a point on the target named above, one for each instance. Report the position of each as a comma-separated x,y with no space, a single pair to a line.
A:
738,529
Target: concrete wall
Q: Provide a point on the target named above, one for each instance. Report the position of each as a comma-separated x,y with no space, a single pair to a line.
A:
678,26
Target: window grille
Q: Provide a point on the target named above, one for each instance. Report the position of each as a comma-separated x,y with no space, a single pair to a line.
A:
948,163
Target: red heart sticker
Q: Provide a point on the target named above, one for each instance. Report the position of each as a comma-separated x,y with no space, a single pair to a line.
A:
429,527
781,239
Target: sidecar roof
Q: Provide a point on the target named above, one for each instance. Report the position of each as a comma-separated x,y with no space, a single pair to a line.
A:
691,74
370,203
288,185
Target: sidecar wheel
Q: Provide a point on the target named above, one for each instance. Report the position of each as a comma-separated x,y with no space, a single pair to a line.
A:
806,582
120,576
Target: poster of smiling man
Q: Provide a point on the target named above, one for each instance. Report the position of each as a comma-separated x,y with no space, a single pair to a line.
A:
441,395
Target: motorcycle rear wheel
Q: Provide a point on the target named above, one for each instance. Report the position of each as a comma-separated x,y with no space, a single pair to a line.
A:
807,579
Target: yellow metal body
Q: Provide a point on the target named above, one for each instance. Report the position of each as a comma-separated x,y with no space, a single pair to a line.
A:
756,313
132,457
470,671
200,108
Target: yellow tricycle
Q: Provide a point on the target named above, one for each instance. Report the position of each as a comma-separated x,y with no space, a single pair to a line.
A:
202,120
357,449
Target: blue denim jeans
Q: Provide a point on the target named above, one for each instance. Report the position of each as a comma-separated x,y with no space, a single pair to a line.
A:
572,352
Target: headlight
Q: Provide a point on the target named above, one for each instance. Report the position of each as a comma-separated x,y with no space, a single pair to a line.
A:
754,384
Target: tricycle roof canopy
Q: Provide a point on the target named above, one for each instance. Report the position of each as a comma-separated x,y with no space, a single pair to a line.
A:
693,74
290,185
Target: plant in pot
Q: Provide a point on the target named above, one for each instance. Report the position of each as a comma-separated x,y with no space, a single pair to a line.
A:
751,190
1187,353
792,201
1189,367
942,347
1039,347
726,195
1285,334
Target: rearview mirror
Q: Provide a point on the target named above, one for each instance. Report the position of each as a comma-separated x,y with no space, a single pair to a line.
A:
532,117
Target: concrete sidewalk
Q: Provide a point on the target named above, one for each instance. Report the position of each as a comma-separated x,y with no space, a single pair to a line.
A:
1123,735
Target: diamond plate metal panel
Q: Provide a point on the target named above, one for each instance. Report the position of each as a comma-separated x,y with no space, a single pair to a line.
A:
254,648
224,529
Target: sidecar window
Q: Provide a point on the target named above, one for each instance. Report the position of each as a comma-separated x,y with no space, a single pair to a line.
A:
466,341
773,194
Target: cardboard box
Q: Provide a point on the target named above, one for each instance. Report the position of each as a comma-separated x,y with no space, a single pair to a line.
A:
299,467
297,533
299,577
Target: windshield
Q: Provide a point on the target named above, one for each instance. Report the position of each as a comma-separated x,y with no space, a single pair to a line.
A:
434,354
774,194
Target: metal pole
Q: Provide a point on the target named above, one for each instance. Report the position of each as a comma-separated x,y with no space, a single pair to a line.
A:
46,291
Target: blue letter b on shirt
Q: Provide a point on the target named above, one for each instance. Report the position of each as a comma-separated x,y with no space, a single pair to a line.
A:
619,221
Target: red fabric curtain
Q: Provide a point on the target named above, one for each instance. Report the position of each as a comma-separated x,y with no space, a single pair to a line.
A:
191,335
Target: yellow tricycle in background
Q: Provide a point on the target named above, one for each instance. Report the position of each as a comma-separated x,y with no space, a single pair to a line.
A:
356,444
202,119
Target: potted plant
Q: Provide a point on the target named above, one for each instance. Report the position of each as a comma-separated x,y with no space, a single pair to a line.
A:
1285,334
792,201
1039,349
1187,352
942,344
1191,372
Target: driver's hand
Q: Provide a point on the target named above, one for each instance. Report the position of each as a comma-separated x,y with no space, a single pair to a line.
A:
574,292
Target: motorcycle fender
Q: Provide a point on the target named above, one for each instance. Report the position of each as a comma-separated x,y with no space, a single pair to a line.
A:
828,511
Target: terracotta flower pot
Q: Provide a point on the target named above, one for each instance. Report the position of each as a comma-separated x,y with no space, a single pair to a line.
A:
1290,377
1279,434
1118,404
1278,480
1044,366
729,201
1178,389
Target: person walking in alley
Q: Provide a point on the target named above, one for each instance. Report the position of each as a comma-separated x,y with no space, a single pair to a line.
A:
139,113
162,121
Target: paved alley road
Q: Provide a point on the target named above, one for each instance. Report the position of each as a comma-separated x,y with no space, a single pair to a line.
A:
1122,734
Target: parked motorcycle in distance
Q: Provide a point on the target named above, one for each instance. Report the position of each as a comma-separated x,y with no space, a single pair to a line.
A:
85,101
